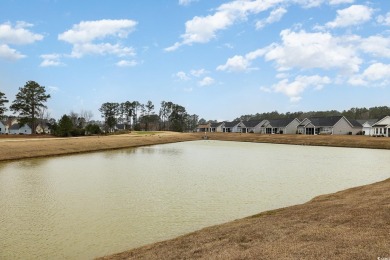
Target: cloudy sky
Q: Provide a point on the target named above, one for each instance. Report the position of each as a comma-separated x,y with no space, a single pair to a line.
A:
219,59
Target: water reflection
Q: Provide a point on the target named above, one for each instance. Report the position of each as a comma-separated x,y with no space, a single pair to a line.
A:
90,205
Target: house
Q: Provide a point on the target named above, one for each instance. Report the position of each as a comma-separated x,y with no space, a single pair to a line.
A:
217,127
234,127
367,126
42,129
16,129
254,126
204,128
280,126
338,125
382,127
3,128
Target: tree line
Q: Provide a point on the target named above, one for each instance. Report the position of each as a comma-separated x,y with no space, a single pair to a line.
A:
30,102
133,115
353,113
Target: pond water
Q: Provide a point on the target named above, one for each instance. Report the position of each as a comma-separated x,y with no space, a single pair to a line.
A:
89,205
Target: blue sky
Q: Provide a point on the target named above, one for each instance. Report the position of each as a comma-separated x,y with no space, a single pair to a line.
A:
219,59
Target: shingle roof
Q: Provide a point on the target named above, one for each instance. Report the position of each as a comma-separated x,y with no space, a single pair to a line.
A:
231,124
252,123
14,127
280,122
325,121
368,121
216,124
355,123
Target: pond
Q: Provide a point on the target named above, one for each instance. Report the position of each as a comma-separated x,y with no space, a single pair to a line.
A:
90,205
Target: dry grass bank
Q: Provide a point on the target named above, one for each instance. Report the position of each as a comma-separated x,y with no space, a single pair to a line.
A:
29,146
21,147
318,140
351,224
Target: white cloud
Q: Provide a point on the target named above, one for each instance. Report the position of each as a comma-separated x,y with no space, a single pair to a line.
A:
274,16
317,3
51,60
294,89
235,64
378,46
83,36
198,73
186,2
10,54
79,50
353,15
337,2
202,29
127,63
206,81
375,74
313,50
240,63
18,35
385,20
181,75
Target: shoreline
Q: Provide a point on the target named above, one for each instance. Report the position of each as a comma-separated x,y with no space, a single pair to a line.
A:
16,148
349,224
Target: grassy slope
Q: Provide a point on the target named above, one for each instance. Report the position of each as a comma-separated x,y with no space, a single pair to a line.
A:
351,224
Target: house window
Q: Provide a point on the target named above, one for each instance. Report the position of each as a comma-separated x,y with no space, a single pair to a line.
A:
384,130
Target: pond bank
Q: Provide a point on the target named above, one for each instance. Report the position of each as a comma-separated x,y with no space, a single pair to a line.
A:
25,147
350,224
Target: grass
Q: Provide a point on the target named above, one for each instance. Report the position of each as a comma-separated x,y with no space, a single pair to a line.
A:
351,224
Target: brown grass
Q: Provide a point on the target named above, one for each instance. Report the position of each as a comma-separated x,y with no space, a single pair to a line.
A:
351,224
29,146
22,146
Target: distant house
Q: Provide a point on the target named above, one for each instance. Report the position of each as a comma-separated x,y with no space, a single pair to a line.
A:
3,128
16,129
280,126
234,127
367,126
217,127
254,126
204,128
42,129
382,127
337,125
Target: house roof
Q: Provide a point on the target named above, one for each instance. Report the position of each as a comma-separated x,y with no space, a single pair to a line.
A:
252,123
325,121
368,121
14,127
280,122
232,124
355,123
216,124
204,126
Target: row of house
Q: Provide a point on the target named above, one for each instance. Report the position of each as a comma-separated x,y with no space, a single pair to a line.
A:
13,127
333,125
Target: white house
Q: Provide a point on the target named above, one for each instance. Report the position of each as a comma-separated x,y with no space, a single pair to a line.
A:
367,126
16,129
3,128
280,126
254,126
234,127
217,127
382,127
337,125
